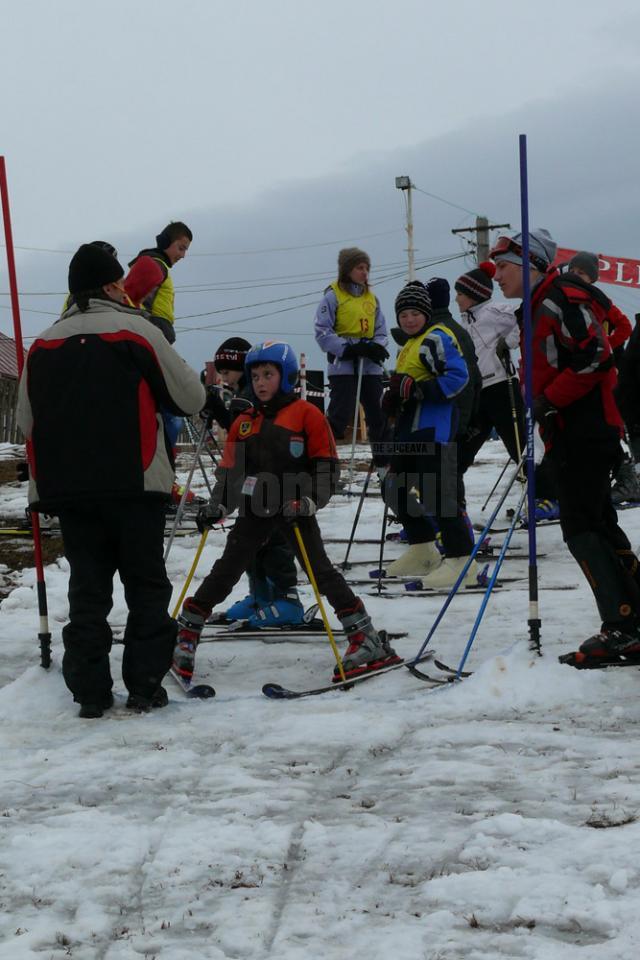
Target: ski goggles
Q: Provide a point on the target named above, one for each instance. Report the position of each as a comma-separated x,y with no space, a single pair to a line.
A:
508,245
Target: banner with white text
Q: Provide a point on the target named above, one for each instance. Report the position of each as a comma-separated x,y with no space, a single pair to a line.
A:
620,270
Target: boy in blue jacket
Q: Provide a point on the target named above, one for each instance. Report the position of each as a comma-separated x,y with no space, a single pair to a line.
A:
430,374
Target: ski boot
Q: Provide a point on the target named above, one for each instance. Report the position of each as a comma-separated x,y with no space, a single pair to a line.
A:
626,488
142,704
446,574
96,708
622,640
417,560
547,510
283,611
368,649
261,594
190,624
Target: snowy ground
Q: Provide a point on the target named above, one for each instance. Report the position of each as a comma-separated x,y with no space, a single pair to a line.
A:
496,818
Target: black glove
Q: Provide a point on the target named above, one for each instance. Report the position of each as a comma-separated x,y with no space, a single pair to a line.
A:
545,414
502,351
371,350
298,509
22,470
240,405
214,406
209,515
350,352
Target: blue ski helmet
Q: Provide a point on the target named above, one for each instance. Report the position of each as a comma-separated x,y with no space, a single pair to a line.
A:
280,354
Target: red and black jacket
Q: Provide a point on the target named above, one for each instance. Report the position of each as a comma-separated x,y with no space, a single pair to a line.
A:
90,403
572,363
279,451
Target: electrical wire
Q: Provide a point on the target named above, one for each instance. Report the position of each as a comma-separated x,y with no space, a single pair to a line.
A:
434,196
273,313
239,253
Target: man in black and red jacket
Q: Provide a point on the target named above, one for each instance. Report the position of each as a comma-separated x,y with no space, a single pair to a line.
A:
89,407
574,378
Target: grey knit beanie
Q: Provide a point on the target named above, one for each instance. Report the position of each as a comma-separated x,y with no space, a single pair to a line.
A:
589,262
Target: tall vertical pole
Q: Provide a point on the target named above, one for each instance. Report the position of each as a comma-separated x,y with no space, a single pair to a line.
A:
482,235
534,613
411,256
44,635
303,376
404,183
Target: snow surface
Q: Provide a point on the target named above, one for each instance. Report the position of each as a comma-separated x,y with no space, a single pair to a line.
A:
494,818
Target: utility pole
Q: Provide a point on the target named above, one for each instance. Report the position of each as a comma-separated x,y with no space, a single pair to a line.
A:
404,183
481,231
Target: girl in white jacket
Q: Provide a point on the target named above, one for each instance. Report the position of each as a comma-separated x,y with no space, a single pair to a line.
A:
494,330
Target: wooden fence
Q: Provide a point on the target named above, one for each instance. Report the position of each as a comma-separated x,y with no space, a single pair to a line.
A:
9,432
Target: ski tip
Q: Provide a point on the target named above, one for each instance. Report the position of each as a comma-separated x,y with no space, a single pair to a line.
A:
201,691
276,692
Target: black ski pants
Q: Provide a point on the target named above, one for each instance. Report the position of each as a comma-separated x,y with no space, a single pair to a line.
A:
275,562
247,536
434,475
590,525
496,411
342,403
102,538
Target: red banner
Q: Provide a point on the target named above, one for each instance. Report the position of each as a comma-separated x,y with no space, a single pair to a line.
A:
618,270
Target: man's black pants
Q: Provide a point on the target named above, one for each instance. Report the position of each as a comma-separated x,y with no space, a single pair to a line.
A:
100,539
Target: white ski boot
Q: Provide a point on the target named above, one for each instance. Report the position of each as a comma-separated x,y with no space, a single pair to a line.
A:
418,560
448,572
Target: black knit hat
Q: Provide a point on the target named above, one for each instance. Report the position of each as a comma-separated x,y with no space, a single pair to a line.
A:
477,284
231,354
349,258
91,268
414,296
440,293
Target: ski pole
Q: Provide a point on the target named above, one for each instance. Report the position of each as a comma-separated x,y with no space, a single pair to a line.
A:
185,493
203,540
323,613
534,621
355,420
191,430
510,371
463,572
490,585
44,634
345,565
385,515
495,486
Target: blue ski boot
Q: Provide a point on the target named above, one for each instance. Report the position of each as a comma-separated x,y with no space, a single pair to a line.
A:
547,510
283,611
261,593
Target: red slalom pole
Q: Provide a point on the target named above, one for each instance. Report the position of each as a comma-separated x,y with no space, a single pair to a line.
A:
44,635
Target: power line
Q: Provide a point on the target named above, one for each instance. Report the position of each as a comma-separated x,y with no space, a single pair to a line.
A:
434,196
273,313
237,253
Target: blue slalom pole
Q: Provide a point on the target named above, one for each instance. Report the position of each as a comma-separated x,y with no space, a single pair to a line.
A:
463,572
490,586
534,621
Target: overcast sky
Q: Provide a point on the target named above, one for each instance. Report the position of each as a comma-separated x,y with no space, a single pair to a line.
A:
283,124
